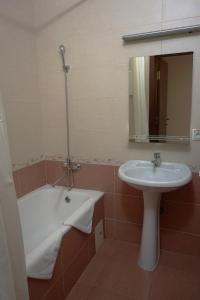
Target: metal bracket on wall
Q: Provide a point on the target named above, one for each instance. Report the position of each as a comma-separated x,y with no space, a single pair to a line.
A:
188,30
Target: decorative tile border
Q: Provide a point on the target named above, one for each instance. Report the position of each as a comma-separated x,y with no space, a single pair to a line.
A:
30,162
83,160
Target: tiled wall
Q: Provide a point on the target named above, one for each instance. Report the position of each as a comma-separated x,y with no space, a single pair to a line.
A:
98,79
29,178
18,82
179,222
180,226
76,251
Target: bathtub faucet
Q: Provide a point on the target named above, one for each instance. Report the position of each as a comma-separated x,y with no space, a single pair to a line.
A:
59,179
69,168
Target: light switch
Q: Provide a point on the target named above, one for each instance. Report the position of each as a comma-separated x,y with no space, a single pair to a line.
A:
196,134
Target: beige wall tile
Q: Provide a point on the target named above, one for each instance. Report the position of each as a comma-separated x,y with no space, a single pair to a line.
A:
24,130
92,35
179,9
19,82
98,80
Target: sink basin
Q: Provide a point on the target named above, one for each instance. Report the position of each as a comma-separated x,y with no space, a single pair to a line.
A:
144,176
153,181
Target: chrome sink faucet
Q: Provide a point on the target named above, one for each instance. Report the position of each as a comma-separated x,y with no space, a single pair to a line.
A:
157,160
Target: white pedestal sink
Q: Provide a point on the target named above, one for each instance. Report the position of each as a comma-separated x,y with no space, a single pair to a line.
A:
153,181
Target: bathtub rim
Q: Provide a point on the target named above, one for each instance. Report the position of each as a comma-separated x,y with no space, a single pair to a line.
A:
97,194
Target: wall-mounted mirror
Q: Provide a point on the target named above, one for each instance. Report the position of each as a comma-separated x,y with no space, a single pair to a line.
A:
160,97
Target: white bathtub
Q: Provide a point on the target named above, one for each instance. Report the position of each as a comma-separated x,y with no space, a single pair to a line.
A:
44,211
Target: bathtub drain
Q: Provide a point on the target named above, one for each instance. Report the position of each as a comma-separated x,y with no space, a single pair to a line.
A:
67,199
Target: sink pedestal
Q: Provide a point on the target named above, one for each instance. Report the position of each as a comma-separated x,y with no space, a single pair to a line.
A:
150,241
153,181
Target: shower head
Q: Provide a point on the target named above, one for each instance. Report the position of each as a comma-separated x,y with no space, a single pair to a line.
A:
62,49
62,54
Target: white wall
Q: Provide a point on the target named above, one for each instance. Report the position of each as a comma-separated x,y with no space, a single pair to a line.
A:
98,81
19,82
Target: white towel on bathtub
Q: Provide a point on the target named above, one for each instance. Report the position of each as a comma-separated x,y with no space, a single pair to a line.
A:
41,261
82,219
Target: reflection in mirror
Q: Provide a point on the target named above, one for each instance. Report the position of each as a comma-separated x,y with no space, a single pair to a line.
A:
160,93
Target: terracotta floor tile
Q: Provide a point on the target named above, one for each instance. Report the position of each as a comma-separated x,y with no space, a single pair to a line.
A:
182,262
79,292
122,275
113,274
127,250
93,271
173,284
104,294
108,248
